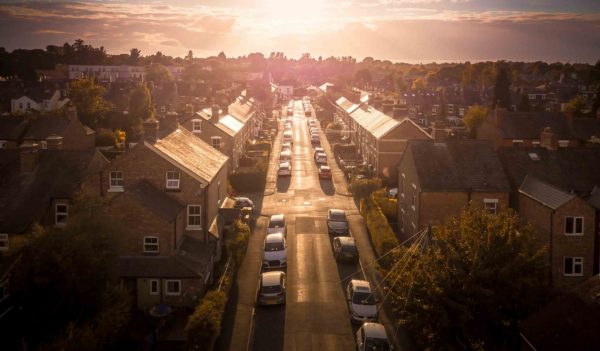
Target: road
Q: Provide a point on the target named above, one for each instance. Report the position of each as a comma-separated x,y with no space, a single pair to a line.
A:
315,316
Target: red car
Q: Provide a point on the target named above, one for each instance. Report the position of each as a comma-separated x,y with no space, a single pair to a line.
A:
324,172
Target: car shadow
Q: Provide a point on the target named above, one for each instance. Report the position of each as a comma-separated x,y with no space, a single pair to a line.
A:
327,186
283,184
269,328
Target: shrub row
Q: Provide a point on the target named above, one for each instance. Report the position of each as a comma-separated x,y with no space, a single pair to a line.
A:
248,180
388,206
382,235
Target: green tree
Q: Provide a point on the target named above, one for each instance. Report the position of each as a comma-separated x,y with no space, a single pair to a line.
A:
140,104
158,74
362,77
88,98
134,56
363,188
419,84
575,106
474,118
468,287
501,96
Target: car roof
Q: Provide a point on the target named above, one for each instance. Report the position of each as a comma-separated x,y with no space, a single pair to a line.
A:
284,164
374,330
362,285
277,217
346,240
326,168
274,238
337,211
271,278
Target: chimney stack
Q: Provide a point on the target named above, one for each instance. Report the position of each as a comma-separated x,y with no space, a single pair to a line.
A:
29,157
548,140
54,142
151,130
214,117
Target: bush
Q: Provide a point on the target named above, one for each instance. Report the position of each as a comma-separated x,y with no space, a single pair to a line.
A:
340,149
204,325
248,180
388,206
335,126
363,188
106,137
382,235
237,243
259,146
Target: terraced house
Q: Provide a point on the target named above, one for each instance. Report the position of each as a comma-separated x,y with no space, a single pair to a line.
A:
167,190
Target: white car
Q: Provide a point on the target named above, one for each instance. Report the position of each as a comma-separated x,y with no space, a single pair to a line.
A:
277,224
372,336
320,158
361,302
275,251
288,137
285,156
285,169
271,288
286,147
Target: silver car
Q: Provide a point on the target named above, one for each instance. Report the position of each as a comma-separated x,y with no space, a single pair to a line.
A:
271,288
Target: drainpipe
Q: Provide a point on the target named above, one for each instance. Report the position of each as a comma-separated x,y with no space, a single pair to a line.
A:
550,248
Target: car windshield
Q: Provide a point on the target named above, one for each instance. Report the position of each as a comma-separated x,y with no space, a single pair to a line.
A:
273,246
276,224
377,344
273,289
338,216
363,298
349,248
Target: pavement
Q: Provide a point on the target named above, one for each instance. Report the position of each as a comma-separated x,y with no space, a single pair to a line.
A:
316,315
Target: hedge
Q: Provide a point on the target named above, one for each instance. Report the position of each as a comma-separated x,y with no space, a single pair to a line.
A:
382,235
388,206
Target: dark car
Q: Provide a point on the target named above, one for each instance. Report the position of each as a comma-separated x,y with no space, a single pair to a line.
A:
337,223
345,249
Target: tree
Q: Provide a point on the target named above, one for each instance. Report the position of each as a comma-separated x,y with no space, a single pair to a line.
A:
363,77
363,188
221,56
474,118
501,97
158,74
524,105
72,282
140,104
87,96
468,287
575,106
134,56
419,84
190,55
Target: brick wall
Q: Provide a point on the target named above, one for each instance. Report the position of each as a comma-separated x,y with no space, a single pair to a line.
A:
191,291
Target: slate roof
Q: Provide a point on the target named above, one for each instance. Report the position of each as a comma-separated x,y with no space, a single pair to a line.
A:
241,109
529,125
544,193
458,165
190,154
42,127
374,121
25,197
12,128
568,169
155,200
346,105
227,123
190,262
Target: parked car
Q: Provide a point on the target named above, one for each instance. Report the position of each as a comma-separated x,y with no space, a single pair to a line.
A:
271,288
277,224
285,169
361,302
324,172
285,156
315,140
317,150
321,158
372,337
275,251
288,137
344,249
243,202
337,223
286,147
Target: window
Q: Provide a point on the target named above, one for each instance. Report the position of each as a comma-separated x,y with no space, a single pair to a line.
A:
573,266
216,142
172,180
535,143
401,185
218,193
20,105
573,225
196,125
172,287
151,244
491,205
517,143
61,212
563,143
450,108
154,287
116,180
3,242
414,198
44,144
194,217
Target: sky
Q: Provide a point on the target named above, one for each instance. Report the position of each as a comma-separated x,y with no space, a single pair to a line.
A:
398,30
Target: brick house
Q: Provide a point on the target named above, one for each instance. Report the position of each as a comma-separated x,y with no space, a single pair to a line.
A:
75,135
565,225
168,190
436,180
379,138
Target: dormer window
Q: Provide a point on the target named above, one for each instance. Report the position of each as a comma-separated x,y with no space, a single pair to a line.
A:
172,180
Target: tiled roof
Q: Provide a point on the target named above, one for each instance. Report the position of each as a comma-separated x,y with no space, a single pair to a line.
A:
529,125
25,197
458,165
544,193
191,154
374,121
155,200
569,169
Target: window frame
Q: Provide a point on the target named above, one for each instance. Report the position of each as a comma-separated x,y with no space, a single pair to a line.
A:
169,293
216,138
176,181
64,214
151,286
490,209
575,261
112,178
4,242
401,185
194,215
414,198
196,122
574,224
146,243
